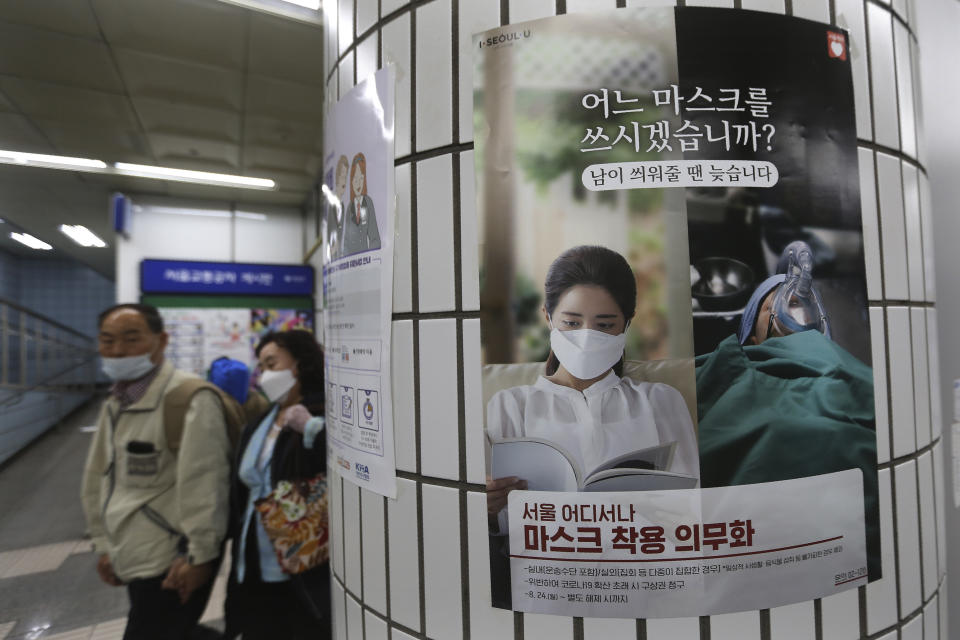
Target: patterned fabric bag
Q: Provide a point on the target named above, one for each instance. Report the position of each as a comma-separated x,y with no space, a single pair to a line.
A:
294,516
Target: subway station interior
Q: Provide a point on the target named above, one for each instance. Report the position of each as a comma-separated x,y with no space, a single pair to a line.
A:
178,131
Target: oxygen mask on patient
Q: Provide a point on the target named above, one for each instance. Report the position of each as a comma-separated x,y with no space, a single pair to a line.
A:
797,305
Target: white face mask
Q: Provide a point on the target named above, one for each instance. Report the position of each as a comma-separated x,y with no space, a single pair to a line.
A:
128,368
587,353
277,384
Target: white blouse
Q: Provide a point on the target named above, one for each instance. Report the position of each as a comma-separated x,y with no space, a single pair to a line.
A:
611,417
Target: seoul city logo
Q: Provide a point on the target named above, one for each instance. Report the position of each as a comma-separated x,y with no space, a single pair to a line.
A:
504,38
836,45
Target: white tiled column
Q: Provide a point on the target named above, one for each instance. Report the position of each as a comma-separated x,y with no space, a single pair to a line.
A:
426,575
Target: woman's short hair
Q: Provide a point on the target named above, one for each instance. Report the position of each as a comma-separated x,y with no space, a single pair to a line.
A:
306,353
590,265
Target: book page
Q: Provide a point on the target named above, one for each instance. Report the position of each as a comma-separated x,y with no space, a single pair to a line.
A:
544,466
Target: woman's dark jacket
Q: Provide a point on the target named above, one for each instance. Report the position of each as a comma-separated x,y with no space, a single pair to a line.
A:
291,460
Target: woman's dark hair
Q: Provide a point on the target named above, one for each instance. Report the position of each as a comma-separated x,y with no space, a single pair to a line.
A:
590,265
308,356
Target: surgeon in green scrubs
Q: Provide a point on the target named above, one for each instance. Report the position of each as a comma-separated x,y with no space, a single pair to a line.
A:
810,410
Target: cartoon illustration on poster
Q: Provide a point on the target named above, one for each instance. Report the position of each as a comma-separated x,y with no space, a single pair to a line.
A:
677,379
357,251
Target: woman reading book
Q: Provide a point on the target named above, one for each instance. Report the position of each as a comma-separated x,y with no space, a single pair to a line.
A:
582,403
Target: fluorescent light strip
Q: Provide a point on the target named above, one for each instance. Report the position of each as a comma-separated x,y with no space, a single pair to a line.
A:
186,175
82,236
179,211
48,161
250,215
30,241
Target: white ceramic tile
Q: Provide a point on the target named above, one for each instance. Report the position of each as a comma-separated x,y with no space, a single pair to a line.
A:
404,410
402,528
333,90
944,616
841,615
336,518
927,225
351,537
940,500
879,356
396,51
469,236
439,408
485,620
918,102
900,6
524,10
606,628
710,3
539,626
673,628
590,6
654,3
931,623
475,16
435,234
892,226
921,372
396,634
911,200
344,25
771,6
338,607
366,15
434,76
354,619
377,628
928,526
901,381
402,245
818,10
905,92
908,537
374,552
345,74
882,594
933,351
883,80
870,223
913,630
743,625
389,6
331,10
367,57
850,17
473,402
793,622
441,567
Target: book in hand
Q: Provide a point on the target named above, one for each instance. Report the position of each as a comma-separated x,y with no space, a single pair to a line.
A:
546,466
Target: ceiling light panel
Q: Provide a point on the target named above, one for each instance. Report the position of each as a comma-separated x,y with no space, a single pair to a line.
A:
197,177
30,241
82,236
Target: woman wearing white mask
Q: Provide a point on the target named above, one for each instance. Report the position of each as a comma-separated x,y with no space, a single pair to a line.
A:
287,443
581,402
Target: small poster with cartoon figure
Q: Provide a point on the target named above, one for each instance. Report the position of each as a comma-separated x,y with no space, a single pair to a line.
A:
357,255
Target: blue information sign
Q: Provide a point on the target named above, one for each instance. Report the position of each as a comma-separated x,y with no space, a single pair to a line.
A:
225,278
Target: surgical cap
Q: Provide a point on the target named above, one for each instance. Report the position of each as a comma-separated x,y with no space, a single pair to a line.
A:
750,312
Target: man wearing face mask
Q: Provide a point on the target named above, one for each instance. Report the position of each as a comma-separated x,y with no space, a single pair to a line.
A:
157,517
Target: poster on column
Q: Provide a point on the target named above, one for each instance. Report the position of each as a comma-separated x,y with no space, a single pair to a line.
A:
677,380
357,245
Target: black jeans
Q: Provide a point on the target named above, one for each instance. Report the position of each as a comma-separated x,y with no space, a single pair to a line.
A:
156,613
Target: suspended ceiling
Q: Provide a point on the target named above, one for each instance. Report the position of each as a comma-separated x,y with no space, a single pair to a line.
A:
192,84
